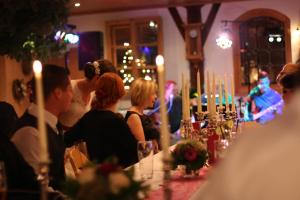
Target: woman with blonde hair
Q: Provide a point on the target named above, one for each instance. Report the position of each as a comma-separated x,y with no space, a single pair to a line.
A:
104,131
143,95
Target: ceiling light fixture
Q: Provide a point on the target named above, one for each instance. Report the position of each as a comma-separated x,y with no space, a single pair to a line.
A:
77,4
224,41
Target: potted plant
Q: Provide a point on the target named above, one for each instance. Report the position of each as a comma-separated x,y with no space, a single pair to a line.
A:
27,28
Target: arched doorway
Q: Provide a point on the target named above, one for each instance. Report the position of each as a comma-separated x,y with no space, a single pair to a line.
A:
254,51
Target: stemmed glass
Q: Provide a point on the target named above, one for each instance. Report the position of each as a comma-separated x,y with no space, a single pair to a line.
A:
145,155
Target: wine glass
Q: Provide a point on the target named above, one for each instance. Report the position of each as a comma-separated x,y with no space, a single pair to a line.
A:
145,156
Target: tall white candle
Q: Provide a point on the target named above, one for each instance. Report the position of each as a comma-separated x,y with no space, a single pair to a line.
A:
220,94
232,94
208,93
214,94
165,136
199,103
37,68
226,93
183,97
187,97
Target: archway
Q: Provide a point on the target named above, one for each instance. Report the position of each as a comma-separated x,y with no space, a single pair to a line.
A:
267,16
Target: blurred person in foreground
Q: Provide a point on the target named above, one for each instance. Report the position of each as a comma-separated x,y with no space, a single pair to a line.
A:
19,174
263,164
104,131
262,103
285,79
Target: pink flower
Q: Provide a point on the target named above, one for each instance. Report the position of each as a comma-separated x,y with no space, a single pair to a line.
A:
190,154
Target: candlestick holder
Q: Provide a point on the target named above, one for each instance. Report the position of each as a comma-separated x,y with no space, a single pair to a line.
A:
43,178
230,115
200,116
167,164
186,129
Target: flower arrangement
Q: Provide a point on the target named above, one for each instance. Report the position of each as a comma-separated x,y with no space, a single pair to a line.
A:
190,153
106,181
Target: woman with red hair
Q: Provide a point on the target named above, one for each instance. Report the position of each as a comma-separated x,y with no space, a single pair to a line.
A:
105,132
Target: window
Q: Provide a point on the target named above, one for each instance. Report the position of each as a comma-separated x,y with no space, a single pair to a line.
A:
262,48
262,42
133,45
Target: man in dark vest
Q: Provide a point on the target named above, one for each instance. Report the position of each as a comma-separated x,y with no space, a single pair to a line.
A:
57,98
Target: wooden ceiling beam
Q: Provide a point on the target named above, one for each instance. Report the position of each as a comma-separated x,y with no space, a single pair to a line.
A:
177,19
209,21
93,6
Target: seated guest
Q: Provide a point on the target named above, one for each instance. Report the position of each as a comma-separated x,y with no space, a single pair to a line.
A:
8,118
285,80
58,94
143,95
83,91
263,164
105,132
19,174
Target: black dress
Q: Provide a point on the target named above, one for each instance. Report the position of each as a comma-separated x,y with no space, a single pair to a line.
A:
106,134
150,131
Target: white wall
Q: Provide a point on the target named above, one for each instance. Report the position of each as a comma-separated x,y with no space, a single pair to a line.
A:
174,49
220,60
216,59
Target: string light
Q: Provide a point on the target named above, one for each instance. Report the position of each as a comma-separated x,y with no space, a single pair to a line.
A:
128,60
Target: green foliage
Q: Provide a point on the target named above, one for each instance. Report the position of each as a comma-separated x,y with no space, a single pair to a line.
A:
190,153
27,28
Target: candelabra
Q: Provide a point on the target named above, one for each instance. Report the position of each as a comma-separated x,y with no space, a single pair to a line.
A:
167,178
43,178
186,129
200,116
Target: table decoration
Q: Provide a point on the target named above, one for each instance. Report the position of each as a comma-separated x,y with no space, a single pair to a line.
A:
44,161
105,181
186,129
191,154
199,100
165,132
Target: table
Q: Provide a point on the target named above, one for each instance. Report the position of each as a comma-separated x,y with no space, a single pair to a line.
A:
182,188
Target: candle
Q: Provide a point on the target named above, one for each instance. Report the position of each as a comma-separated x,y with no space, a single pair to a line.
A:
213,94
232,94
226,93
187,97
37,68
220,94
199,103
208,93
183,97
165,136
